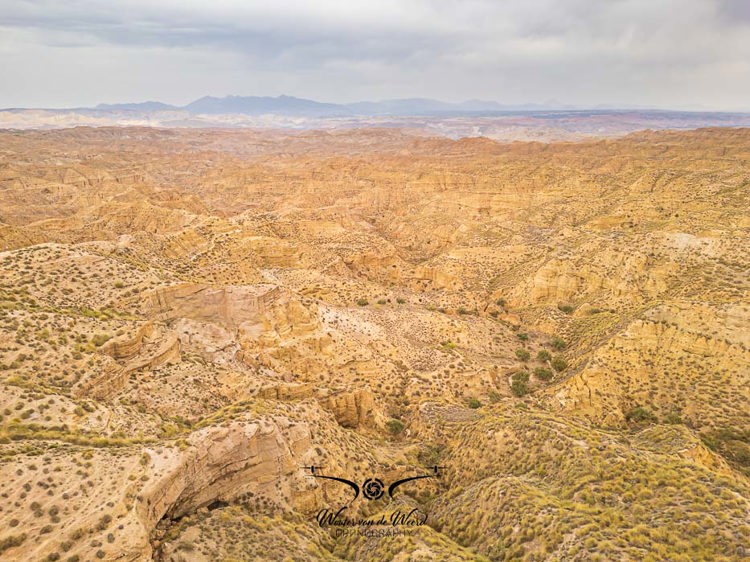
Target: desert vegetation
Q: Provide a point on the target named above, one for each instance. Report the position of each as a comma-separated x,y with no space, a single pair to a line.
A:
190,317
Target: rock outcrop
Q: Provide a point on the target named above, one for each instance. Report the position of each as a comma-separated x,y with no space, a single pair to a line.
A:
354,409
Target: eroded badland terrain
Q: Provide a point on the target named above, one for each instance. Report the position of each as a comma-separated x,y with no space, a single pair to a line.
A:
190,317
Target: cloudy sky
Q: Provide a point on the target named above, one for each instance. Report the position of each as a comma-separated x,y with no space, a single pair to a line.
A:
666,53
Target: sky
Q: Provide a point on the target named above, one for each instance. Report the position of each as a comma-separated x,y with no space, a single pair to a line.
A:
682,54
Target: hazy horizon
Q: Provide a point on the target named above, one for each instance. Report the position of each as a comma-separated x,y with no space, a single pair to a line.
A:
548,105
666,54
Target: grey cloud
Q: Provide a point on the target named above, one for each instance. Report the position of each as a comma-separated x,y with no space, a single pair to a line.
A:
735,11
621,50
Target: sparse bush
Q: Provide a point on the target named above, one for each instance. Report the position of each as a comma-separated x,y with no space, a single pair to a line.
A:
474,403
523,354
100,339
520,383
11,542
519,388
566,308
639,414
394,426
104,522
362,302
557,343
559,363
543,374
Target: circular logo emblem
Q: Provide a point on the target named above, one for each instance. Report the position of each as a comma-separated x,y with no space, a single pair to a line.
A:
372,489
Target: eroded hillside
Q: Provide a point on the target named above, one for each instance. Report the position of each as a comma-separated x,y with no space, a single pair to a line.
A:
189,318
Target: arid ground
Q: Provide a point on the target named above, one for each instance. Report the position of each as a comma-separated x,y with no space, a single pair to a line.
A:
190,317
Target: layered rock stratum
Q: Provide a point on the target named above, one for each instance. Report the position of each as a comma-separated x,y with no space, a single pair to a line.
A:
190,319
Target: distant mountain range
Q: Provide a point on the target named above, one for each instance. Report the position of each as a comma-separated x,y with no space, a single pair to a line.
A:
292,106
469,118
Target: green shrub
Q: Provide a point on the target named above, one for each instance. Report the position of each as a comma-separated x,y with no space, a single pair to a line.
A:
394,426
474,403
557,343
566,308
11,541
737,451
362,302
100,339
559,363
522,354
543,373
523,336
103,522
639,414
731,443
520,383
519,388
